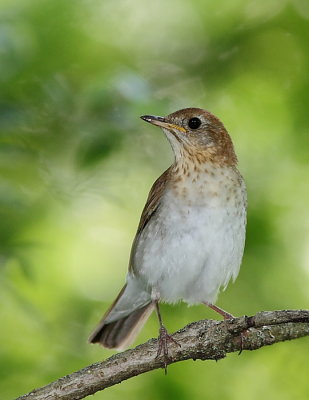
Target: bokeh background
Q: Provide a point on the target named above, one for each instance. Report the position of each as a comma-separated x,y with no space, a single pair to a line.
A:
76,164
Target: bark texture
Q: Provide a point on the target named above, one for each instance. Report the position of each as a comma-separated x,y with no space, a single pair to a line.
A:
204,340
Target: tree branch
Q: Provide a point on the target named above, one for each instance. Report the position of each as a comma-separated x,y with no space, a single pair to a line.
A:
204,340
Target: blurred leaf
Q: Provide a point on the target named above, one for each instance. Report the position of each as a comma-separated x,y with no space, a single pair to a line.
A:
76,164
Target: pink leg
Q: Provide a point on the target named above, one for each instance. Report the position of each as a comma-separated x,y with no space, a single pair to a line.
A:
219,310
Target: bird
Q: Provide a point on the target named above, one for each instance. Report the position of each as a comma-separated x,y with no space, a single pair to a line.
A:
191,235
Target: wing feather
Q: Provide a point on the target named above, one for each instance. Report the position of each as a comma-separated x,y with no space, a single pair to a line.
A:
152,204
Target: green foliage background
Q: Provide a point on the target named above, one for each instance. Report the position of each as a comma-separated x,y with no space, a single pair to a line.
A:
76,164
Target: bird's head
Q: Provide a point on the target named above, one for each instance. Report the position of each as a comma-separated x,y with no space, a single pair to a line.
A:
197,134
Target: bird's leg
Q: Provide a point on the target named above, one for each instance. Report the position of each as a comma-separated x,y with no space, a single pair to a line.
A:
227,315
219,310
163,339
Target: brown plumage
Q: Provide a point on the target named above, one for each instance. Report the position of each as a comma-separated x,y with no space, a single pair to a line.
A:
190,237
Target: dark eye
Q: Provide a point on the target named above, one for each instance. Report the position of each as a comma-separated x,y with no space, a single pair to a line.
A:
194,123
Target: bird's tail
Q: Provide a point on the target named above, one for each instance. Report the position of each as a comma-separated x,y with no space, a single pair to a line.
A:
123,320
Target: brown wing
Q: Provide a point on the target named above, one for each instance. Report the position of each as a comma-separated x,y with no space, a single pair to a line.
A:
151,206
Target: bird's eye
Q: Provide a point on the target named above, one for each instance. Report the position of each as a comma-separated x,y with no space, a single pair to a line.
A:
194,123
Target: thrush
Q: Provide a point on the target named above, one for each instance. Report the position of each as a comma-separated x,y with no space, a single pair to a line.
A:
190,240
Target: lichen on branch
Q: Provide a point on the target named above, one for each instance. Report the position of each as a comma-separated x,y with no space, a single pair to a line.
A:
204,340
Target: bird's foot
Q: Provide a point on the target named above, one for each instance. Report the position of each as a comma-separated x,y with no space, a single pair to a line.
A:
242,337
226,316
163,340
242,334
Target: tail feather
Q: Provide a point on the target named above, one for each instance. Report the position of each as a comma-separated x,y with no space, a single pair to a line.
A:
124,319
121,333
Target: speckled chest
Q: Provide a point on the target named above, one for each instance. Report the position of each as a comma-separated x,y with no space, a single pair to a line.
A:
207,186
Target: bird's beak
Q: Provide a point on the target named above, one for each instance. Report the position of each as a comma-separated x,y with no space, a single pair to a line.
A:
161,121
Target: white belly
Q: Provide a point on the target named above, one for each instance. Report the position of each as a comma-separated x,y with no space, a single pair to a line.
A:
188,251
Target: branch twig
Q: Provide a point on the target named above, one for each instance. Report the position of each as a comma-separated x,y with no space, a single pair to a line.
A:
204,340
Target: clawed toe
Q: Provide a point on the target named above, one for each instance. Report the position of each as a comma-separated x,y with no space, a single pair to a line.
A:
163,340
243,334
